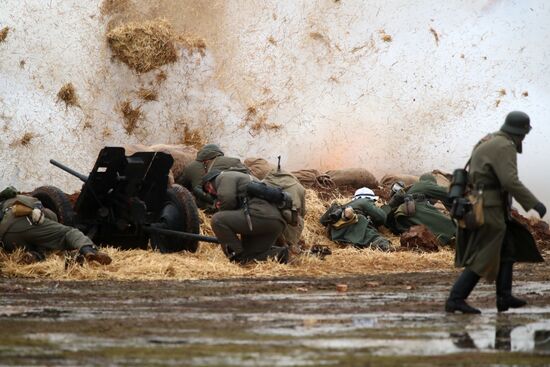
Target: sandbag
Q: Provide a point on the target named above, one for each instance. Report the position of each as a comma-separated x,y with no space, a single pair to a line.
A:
313,178
442,178
258,167
354,177
182,154
390,178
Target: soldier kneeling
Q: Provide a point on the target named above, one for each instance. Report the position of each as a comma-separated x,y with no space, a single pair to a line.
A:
258,222
26,224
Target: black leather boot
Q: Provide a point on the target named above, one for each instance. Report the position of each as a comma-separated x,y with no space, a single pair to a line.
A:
90,253
461,290
505,300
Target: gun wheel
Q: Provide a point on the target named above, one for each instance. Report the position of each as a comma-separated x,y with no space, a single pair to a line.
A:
57,201
179,213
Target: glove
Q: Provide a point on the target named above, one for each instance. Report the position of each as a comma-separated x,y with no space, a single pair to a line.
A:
37,216
540,208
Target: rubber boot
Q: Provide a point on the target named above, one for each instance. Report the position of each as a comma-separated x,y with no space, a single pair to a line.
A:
90,253
461,290
505,300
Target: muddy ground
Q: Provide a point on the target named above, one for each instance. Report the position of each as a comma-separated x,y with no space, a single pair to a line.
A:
393,319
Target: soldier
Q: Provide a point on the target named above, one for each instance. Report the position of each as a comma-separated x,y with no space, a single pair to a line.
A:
414,205
258,222
356,222
491,250
25,223
209,157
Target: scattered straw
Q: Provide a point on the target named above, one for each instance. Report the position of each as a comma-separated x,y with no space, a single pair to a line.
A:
193,137
210,263
525,94
67,94
436,36
143,46
131,116
497,102
147,94
272,41
502,92
4,34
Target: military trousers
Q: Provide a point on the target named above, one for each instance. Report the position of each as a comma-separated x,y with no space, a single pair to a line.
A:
253,244
50,235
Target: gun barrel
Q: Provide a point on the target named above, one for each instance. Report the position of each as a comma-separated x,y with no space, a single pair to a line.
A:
82,177
185,235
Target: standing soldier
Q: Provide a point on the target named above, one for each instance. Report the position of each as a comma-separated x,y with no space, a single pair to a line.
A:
25,223
258,223
490,250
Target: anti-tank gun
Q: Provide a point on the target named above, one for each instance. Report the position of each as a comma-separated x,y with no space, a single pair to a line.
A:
125,202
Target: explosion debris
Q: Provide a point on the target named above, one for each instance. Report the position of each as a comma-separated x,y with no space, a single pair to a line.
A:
144,46
109,7
384,36
67,94
4,34
147,94
436,36
131,116
193,137
25,139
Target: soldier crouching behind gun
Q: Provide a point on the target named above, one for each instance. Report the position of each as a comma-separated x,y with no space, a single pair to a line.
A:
490,250
258,222
26,224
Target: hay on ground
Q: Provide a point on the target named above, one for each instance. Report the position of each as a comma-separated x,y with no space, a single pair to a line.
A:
109,7
67,94
144,46
24,141
4,33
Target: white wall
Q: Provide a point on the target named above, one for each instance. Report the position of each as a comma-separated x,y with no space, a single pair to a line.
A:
319,68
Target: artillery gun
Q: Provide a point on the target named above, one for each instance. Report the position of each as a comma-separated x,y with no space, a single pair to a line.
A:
126,202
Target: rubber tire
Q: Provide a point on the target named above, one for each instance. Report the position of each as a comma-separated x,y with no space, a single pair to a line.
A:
182,199
57,201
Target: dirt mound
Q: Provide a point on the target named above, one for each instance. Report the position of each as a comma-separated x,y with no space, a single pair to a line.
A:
419,238
538,228
144,46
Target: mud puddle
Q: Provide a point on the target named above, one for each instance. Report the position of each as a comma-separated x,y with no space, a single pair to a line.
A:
394,319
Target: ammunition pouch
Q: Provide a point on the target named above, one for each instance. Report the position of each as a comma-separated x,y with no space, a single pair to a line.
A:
468,211
20,210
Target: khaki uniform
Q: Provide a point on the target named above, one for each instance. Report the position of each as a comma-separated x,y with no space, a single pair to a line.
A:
50,235
493,165
231,221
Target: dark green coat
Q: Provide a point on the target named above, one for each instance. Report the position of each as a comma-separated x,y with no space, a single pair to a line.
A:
363,232
224,163
494,165
439,224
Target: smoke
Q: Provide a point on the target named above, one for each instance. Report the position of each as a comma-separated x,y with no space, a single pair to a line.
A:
392,86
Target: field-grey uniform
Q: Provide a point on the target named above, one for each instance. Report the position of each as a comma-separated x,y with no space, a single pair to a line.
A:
231,220
49,235
490,250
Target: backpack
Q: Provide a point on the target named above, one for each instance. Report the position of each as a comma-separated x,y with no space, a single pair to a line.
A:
295,194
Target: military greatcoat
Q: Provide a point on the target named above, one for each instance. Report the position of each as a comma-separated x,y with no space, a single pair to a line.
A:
493,166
